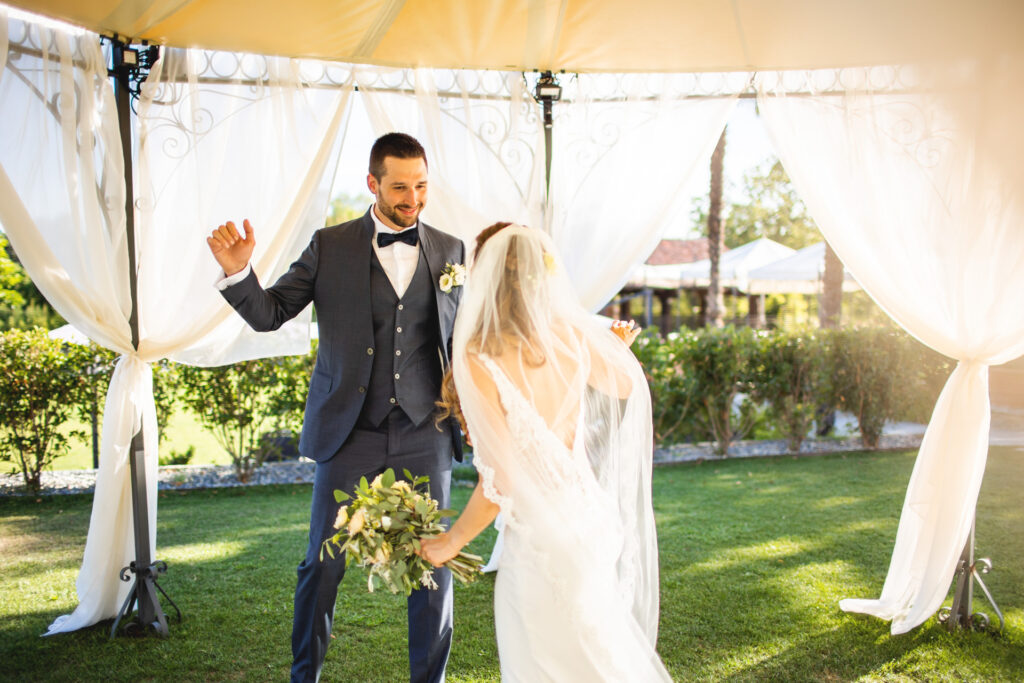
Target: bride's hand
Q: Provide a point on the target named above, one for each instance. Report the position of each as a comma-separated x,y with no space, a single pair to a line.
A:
439,549
627,332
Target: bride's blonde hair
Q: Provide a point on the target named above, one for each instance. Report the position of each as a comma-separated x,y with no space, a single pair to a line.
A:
512,316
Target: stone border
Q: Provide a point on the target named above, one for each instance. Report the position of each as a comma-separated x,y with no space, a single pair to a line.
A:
184,477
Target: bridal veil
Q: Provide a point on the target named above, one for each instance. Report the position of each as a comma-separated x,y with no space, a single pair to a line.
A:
559,414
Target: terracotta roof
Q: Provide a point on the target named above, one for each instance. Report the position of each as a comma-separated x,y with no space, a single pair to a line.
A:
679,251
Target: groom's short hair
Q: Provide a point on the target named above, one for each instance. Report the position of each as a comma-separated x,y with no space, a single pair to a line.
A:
397,145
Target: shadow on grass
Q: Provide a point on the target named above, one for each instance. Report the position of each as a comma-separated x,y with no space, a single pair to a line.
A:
756,557
232,556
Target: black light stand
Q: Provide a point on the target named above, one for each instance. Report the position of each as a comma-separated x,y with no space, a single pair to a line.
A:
129,70
969,570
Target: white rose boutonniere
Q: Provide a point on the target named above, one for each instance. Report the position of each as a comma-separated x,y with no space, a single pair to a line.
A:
453,275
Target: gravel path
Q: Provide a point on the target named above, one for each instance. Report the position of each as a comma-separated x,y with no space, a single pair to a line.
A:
301,472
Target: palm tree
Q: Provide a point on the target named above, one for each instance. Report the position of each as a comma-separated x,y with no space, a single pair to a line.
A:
714,312
832,291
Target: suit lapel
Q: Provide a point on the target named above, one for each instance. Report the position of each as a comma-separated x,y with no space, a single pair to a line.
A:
359,256
436,261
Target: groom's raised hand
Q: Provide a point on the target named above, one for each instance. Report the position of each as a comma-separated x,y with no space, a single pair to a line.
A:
231,250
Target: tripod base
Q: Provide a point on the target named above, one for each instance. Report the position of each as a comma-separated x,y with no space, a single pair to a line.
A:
143,594
959,615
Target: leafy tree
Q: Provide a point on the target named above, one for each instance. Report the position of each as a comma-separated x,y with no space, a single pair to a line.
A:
41,380
773,210
22,306
345,207
12,277
239,402
770,209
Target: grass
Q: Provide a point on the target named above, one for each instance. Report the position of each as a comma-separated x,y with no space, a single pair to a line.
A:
183,430
755,555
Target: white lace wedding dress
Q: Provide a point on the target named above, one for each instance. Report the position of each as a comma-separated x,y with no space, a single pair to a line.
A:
559,413
562,611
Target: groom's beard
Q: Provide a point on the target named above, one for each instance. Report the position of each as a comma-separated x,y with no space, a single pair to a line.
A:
392,214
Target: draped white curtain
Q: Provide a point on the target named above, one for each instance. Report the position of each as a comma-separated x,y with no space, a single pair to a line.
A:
62,203
485,148
223,137
624,147
914,178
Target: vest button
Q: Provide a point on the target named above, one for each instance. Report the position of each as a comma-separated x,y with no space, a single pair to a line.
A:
397,376
398,352
401,307
362,390
392,400
369,351
398,329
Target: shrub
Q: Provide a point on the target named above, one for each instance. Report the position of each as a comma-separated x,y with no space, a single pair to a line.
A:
672,392
99,367
178,457
239,402
41,380
788,374
167,387
872,374
718,364
278,445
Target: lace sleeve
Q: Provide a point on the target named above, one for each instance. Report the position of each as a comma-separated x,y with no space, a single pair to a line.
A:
481,371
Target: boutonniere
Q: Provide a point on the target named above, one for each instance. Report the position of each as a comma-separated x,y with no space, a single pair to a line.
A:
453,275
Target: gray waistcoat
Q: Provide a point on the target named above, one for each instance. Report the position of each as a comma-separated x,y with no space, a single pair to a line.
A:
406,367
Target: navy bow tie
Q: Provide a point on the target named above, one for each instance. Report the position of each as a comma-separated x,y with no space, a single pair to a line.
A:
410,236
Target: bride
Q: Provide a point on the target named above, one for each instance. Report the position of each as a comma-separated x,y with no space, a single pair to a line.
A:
560,419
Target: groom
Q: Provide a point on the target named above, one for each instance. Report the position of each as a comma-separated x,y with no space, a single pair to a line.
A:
385,335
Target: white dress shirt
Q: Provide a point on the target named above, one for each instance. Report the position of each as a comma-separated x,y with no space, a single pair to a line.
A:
398,259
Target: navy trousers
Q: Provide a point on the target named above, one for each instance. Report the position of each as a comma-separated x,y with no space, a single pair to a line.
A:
398,444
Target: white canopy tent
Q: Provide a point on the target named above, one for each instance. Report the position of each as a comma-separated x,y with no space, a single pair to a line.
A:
799,273
579,36
735,265
896,120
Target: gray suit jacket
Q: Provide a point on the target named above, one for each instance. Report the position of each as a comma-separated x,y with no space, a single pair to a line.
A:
334,273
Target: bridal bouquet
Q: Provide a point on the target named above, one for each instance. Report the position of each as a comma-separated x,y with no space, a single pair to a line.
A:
380,530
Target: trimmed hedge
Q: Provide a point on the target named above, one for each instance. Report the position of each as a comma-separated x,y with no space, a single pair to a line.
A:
712,384
715,385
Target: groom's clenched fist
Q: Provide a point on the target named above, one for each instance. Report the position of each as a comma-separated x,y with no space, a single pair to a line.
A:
231,250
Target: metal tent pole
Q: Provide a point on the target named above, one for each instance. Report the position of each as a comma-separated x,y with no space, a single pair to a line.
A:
127,72
547,92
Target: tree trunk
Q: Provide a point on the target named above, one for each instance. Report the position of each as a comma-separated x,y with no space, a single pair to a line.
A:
665,298
756,316
716,237
831,308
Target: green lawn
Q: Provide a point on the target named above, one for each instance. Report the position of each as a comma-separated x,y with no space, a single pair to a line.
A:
183,430
755,555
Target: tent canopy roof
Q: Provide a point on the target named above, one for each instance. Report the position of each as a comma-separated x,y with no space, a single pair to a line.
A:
799,273
735,264
574,35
